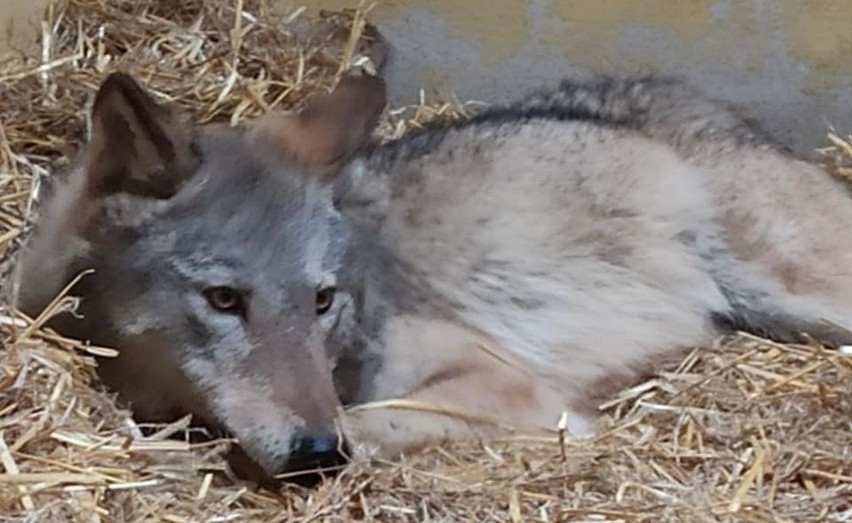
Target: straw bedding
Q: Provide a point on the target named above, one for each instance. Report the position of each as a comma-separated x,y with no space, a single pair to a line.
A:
746,430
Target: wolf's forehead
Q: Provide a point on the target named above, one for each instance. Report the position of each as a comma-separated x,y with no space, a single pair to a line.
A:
257,225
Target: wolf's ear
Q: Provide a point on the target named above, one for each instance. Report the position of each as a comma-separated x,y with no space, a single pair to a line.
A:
331,126
137,146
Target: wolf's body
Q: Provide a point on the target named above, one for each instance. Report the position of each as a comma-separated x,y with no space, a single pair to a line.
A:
491,271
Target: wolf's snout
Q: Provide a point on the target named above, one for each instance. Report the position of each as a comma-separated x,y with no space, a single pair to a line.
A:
312,457
317,450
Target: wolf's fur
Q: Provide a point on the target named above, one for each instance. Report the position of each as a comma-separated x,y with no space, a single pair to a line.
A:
488,273
784,215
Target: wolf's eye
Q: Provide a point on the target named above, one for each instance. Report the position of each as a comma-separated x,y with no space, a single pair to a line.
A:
226,299
325,299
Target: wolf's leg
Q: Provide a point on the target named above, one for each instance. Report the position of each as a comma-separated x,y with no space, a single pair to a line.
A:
489,399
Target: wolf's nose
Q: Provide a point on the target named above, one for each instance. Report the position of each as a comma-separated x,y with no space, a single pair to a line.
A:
317,450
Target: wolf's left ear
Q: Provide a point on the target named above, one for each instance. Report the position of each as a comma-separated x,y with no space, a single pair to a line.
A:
331,126
137,146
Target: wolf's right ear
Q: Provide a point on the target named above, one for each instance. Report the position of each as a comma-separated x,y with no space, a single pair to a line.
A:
331,126
137,146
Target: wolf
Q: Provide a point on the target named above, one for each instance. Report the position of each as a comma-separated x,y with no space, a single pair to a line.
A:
314,293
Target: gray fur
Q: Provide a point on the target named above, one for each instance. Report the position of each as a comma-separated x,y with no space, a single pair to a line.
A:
578,236
671,111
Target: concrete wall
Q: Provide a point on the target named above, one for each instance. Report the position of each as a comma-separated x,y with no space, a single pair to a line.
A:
19,22
788,62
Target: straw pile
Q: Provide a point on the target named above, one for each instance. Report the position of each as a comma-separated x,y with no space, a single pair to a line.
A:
743,431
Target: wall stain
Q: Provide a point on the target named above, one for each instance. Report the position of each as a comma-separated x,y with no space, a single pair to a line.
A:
19,24
808,43
819,33
589,33
603,19
500,27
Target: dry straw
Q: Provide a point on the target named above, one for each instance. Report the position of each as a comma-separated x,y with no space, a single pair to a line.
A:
744,431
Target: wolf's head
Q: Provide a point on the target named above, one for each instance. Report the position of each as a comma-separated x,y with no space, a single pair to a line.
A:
221,269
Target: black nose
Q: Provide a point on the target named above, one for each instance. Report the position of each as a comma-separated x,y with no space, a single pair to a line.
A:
318,450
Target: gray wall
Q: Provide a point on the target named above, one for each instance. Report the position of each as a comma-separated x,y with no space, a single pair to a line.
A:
787,62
